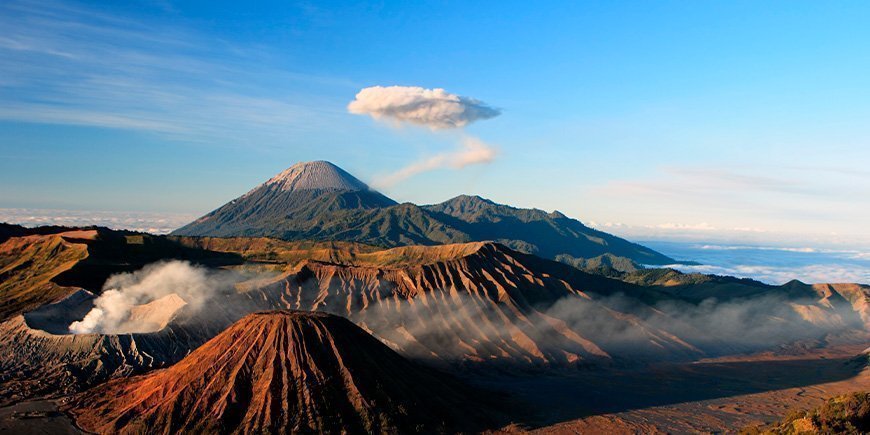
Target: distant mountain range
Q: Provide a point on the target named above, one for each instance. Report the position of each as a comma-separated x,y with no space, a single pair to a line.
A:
320,201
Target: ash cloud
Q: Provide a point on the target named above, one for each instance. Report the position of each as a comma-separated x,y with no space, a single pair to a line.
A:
121,307
435,109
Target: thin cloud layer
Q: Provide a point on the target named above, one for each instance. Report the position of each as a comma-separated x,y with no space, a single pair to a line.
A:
473,151
149,222
433,108
71,64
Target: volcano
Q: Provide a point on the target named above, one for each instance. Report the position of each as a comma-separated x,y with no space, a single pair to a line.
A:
301,193
283,371
322,202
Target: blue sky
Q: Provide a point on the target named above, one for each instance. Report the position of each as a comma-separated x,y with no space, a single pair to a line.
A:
715,120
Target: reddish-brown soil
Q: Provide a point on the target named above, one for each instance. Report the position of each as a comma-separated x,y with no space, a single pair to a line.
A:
278,372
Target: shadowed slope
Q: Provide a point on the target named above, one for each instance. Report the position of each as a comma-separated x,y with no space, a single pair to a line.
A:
53,262
538,232
319,201
28,266
282,371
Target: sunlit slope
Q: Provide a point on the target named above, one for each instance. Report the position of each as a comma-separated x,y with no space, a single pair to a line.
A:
282,372
28,265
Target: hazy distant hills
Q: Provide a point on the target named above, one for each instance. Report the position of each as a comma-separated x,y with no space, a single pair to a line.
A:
320,201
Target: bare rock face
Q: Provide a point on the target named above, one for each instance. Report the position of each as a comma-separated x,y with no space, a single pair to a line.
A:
279,372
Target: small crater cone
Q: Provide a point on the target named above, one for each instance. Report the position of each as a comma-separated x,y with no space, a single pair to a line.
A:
283,371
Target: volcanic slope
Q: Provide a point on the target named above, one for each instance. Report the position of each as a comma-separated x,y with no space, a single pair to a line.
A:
475,302
43,265
280,371
320,201
28,265
49,278
288,203
483,302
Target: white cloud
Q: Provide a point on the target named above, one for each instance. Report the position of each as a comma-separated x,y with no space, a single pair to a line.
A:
812,273
436,109
472,151
73,65
433,108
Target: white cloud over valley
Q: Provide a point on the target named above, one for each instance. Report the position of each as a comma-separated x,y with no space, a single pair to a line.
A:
149,222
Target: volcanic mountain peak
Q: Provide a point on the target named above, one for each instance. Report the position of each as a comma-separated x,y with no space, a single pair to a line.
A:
319,201
316,175
282,372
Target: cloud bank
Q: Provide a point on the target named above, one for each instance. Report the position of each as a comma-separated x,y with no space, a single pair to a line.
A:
149,222
435,109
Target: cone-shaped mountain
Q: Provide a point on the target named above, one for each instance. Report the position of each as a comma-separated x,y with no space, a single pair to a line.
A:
287,372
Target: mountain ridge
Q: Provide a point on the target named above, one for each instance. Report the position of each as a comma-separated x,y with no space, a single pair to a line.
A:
319,201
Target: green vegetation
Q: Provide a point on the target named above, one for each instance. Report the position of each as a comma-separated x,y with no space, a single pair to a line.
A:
370,218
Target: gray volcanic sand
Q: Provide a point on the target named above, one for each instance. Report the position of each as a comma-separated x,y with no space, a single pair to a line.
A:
718,395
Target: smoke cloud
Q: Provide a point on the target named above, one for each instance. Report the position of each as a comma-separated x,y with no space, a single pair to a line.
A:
436,109
145,300
433,108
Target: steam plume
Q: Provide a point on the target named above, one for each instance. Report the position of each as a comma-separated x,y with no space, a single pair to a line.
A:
164,282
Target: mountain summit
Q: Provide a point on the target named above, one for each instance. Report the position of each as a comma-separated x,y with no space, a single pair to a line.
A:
320,201
316,175
300,193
